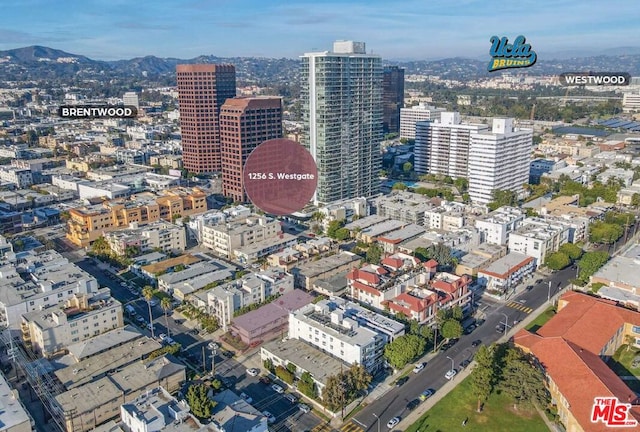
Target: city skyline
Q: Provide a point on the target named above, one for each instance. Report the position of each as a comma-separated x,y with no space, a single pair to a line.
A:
413,30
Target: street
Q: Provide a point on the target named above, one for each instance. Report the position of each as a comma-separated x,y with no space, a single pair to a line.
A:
394,403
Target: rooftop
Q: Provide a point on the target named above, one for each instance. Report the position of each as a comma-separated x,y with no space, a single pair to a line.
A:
281,307
506,265
234,414
103,342
622,269
503,215
162,266
12,412
312,269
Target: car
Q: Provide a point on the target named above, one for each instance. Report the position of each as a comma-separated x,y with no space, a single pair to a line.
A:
253,372
278,389
393,422
500,329
153,302
426,394
476,343
213,346
539,281
479,322
401,381
413,404
270,417
465,363
418,368
265,380
228,354
246,397
162,336
140,319
469,329
304,408
450,374
291,398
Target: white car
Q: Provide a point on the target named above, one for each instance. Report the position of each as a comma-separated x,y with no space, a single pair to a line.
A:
450,374
269,416
162,336
213,345
418,368
393,422
304,408
276,388
253,372
169,341
150,327
246,397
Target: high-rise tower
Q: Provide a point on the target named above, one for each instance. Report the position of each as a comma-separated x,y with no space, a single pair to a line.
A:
393,98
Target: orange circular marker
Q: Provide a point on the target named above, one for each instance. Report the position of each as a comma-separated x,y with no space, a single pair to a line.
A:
280,177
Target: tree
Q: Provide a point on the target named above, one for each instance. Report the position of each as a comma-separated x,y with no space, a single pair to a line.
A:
483,376
403,350
557,260
268,364
291,368
407,167
635,200
462,184
307,386
574,252
399,186
503,198
360,377
165,304
333,393
629,340
522,380
284,374
342,234
333,227
374,253
147,293
199,402
607,233
451,329
591,263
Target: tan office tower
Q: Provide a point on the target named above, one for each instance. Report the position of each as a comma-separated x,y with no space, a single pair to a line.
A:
202,90
245,123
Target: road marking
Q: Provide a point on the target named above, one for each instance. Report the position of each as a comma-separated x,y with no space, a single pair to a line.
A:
322,427
520,307
351,427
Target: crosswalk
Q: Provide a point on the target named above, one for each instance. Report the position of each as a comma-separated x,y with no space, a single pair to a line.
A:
520,307
322,427
351,427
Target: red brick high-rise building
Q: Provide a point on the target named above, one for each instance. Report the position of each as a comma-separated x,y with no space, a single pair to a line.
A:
202,90
245,123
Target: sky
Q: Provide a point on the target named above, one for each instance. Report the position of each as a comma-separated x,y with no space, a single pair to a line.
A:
407,29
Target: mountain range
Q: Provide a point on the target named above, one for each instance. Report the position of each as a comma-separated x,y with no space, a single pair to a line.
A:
43,63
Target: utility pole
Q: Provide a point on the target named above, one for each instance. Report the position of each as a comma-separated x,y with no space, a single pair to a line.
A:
213,361
204,360
549,292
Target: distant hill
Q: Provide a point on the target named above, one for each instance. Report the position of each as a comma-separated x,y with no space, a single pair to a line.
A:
42,63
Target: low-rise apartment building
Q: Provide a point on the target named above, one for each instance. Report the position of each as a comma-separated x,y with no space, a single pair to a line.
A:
224,300
495,227
165,236
345,331
307,273
538,238
343,210
86,224
403,206
51,330
14,417
506,273
225,237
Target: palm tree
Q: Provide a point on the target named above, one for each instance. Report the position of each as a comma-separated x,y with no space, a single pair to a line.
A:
147,293
165,304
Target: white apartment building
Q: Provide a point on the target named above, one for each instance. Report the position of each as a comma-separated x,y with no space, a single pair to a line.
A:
81,317
343,210
495,227
538,238
499,160
443,146
345,330
52,280
156,235
224,237
14,417
20,177
131,99
409,117
444,218
631,102
224,300
402,206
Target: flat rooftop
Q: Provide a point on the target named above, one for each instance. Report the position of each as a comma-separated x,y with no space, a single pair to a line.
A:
89,368
324,265
507,264
408,232
623,268
12,412
234,414
365,222
383,228
320,365
162,266
103,342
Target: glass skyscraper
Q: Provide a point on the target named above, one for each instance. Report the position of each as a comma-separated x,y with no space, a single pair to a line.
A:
341,95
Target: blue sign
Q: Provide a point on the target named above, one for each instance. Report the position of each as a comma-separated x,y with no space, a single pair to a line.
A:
507,56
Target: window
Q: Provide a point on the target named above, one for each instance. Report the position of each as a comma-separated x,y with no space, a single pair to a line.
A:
636,329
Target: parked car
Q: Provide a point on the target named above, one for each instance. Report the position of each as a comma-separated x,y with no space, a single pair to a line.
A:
419,367
465,363
413,404
153,302
469,329
393,422
270,417
278,389
253,372
401,381
304,408
500,328
213,345
265,380
162,336
291,398
140,319
426,394
246,397
476,343
450,374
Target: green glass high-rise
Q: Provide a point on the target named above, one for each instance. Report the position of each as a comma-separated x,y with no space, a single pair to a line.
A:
342,111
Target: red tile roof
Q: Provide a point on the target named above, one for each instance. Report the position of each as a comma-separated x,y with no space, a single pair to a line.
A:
568,347
361,275
394,263
431,264
366,288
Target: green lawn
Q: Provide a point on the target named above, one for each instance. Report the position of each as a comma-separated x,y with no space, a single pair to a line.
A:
541,319
498,414
621,361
